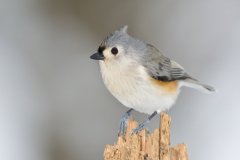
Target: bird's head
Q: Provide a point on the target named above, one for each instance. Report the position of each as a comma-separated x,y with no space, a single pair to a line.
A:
118,46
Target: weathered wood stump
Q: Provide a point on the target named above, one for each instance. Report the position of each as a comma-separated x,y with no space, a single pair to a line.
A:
145,146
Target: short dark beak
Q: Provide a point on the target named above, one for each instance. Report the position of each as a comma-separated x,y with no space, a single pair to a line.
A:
97,56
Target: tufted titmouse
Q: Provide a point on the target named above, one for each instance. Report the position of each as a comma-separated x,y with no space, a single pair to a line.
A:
140,76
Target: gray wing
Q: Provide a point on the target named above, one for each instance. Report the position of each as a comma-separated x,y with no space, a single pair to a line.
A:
161,67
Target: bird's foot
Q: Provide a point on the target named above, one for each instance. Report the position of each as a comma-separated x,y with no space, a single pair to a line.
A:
123,123
140,127
143,125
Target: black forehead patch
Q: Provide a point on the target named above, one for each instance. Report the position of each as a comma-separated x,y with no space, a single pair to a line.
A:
101,49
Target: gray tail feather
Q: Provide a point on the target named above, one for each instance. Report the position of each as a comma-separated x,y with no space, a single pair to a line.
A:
193,83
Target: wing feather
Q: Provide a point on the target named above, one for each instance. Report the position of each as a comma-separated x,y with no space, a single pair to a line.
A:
161,67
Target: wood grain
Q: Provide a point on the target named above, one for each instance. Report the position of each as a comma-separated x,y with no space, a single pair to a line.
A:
146,146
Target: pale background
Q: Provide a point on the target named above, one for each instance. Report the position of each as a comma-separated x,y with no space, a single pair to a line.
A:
53,104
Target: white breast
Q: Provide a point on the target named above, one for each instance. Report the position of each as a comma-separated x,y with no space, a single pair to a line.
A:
131,85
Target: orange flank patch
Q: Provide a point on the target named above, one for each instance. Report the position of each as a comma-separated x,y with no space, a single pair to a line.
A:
169,87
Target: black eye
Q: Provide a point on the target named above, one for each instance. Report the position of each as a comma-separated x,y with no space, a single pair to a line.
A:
114,50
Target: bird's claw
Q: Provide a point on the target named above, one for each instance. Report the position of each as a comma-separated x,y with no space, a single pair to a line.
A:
140,127
123,124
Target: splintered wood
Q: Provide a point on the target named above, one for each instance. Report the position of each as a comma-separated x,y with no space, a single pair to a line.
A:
144,146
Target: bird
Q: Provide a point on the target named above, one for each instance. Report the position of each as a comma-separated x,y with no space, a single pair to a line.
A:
140,77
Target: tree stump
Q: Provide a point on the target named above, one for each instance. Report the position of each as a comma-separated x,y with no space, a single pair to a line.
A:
145,146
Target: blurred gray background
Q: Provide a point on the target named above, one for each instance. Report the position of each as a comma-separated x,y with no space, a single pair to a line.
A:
53,104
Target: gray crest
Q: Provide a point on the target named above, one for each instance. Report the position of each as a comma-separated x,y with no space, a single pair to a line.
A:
124,29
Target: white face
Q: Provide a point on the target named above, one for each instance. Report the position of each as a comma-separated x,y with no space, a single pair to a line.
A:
113,53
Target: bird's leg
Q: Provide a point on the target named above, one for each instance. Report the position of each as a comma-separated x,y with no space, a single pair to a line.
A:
123,122
143,125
